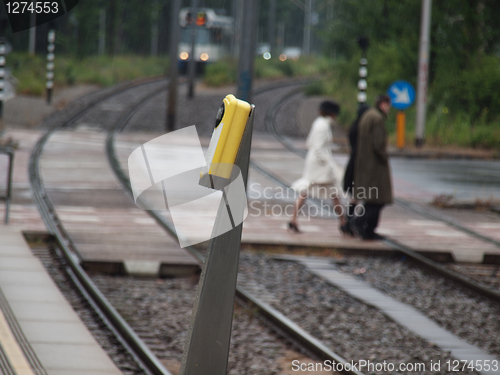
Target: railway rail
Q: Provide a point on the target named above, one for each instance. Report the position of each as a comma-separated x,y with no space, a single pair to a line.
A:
280,322
130,340
115,323
450,273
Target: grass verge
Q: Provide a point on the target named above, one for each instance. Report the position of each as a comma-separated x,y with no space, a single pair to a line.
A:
100,70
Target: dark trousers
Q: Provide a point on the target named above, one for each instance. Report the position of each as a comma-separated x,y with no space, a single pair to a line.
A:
367,223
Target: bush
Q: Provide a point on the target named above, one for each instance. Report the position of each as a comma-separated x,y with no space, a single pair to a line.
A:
101,70
268,69
315,88
224,72
486,136
472,89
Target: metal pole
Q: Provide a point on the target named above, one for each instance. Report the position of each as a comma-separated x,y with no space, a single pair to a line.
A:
281,36
10,154
239,28
247,50
51,37
307,27
3,72
154,29
2,81
172,85
272,27
329,11
423,72
102,32
32,40
207,344
192,59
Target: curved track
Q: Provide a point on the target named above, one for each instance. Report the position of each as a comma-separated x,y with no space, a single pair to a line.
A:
455,276
122,331
280,322
125,335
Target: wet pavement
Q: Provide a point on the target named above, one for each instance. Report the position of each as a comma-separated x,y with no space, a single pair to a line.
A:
88,197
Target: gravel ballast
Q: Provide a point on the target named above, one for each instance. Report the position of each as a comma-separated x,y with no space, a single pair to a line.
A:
163,307
350,328
463,312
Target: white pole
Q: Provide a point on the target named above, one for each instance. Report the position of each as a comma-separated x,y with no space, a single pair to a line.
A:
423,72
51,38
32,40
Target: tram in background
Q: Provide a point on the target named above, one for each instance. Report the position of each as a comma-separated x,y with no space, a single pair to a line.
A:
214,33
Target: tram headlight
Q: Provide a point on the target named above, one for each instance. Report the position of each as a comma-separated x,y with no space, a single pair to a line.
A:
266,56
204,56
282,57
184,55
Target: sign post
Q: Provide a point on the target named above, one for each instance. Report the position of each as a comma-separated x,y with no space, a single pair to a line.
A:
402,96
400,129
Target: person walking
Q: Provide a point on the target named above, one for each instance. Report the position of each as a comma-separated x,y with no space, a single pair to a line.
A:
349,171
372,173
321,176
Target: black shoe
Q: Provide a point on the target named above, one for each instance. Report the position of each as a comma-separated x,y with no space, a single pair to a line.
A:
346,229
356,228
374,236
293,227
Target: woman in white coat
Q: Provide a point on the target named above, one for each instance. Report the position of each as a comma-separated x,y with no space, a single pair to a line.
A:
321,177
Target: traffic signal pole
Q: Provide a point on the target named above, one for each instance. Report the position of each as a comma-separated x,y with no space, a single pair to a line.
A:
192,58
247,50
172,84
272,28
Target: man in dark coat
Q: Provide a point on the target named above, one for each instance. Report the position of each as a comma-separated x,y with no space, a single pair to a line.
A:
349,172
372,174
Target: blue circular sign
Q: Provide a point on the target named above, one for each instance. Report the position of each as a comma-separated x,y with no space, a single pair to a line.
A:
402,94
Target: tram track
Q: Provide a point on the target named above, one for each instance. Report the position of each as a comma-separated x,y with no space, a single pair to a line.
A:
280,322
142,355
283,325
460,278
130,340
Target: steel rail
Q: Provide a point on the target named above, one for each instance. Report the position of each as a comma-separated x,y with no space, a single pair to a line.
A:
273,317
146,360
450,274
